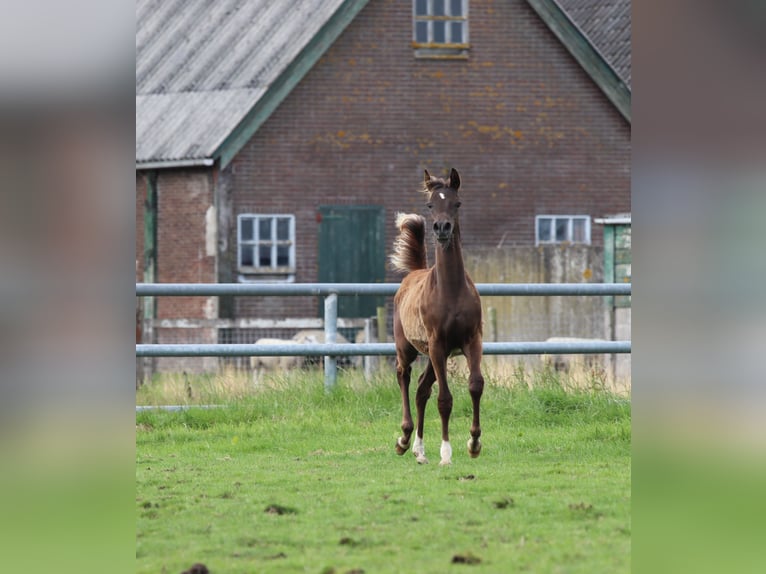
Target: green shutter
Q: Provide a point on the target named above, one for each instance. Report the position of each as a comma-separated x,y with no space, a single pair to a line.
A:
352,250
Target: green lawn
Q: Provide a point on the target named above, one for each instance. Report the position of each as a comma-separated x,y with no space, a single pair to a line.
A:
291,479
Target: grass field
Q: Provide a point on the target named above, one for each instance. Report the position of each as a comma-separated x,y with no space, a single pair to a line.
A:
291,479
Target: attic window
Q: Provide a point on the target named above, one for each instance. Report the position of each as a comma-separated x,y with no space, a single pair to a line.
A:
266,247
440,29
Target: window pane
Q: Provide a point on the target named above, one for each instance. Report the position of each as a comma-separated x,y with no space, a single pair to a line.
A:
283,255
440,31
246,229
421,32
456,7
457,32
544,229
578,230
421,7
283,228
264,228
438,7
264,256
561,229
246,254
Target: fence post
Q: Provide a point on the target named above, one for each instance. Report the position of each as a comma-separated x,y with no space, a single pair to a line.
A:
492,328
382,320
330,336
370,362
382,324
139,339
492,321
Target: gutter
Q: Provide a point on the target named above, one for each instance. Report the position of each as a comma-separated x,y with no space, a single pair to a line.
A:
170,164
613,221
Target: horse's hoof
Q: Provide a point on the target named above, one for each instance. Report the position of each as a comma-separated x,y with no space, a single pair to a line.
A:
421,459
400,450
474,447
445,463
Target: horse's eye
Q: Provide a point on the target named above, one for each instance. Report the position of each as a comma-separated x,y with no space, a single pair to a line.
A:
429,205
457,204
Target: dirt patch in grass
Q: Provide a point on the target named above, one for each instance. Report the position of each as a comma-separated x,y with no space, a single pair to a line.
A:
466,558
279,509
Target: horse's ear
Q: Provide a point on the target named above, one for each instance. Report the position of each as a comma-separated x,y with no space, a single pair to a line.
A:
427,177
454,179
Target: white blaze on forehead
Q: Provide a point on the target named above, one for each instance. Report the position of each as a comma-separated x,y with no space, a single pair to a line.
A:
441,195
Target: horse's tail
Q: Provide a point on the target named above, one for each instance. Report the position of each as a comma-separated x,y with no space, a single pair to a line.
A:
410,246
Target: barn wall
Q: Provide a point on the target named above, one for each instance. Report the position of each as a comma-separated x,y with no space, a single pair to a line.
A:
185,254
528,130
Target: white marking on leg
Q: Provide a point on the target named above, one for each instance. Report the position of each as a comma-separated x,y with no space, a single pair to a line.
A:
419,450
446,453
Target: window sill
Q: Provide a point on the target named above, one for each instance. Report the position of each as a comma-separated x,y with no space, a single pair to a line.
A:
253,275
564,243
441,51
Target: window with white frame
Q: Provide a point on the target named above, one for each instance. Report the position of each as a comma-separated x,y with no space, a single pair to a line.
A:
266,245
562,229
440,28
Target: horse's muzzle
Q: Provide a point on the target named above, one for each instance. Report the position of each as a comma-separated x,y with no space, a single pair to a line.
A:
443,231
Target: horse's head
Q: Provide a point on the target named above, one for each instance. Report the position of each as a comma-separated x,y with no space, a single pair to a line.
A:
443,202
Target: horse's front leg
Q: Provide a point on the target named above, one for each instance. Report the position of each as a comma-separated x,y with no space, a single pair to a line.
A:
439,362
425,383
472,353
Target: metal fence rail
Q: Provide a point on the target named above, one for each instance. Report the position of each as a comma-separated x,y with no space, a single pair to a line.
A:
331,291
368,349
388,289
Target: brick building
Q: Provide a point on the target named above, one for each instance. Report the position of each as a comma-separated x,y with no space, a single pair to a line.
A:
276,140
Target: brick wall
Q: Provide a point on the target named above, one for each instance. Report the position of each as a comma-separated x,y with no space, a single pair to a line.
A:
528,130
183,255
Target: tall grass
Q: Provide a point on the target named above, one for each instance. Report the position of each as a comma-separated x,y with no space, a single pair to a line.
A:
231,385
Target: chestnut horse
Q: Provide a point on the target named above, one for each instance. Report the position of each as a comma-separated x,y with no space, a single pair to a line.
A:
437,312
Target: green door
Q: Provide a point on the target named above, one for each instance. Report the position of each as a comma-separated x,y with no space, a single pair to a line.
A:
352,250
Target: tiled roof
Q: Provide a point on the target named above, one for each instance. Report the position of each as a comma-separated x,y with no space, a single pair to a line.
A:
201,67
606,23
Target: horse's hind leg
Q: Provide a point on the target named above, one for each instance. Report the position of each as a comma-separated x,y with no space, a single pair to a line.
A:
404,359
425,384
472,353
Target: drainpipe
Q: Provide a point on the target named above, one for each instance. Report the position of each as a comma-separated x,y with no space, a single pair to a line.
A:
150,240
150,262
